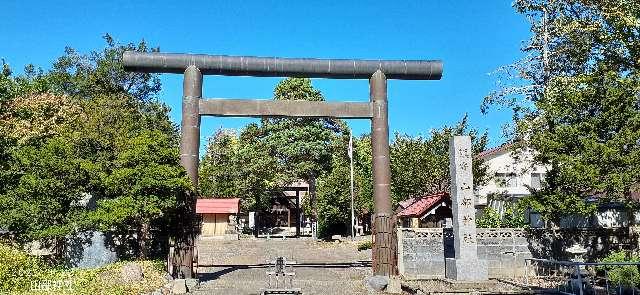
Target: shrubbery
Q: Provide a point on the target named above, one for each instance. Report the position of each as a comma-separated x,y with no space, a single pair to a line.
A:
365,245
627,275
18,270
21,273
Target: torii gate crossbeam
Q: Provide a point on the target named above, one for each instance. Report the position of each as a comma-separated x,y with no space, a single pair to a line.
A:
193,107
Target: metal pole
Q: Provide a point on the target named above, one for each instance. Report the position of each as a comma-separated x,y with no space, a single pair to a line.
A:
353,234
384,263
579,279
189,156
298,216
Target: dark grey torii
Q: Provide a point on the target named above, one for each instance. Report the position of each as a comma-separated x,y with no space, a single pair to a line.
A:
193,66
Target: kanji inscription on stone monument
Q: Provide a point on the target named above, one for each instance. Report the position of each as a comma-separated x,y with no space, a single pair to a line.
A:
465,266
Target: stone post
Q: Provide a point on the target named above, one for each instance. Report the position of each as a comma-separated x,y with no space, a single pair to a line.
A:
465,266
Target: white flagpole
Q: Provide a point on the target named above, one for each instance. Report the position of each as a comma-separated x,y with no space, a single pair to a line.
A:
353,225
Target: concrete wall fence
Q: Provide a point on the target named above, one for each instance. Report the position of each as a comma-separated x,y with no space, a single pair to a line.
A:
422,251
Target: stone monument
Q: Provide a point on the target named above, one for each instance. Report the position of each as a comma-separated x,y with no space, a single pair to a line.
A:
465,266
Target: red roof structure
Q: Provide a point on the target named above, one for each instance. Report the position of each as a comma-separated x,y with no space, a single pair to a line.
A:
418,206
229,206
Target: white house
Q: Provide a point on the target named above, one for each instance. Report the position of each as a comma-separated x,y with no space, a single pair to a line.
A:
510,174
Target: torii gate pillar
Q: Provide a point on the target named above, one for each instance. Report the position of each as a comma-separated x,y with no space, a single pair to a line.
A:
189,159
384,253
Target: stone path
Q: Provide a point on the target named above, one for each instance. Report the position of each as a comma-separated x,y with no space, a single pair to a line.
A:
239,267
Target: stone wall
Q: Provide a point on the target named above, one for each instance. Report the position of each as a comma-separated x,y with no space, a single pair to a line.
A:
422,251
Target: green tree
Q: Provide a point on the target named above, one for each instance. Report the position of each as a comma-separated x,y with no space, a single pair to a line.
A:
513,215
363,175
143,186
334,199
575,101
420,165
85,129
43,180
41,202
334,187
624,275
267,156
102,72
302,146
259,172
218,172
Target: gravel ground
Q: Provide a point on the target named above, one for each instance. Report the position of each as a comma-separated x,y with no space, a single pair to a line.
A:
239,267
437,286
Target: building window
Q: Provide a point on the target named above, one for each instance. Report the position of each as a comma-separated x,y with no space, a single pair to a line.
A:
506,180
536,180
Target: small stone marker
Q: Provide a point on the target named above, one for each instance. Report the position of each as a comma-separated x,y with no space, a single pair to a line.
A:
465,266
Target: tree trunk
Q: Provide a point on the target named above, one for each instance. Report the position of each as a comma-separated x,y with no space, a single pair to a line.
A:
143,239
58,249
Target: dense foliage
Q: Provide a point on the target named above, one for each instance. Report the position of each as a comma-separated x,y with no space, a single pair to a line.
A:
420,165
218,176
575,100
86,146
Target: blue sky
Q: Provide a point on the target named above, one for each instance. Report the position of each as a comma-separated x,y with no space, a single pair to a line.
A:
473,38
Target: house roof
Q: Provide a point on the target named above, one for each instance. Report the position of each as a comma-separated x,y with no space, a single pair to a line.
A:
418,206
495,150
406,203
218,205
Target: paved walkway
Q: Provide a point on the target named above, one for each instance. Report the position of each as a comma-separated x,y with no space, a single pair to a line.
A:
239,267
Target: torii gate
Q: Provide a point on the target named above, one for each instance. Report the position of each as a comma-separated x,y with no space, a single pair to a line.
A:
193,66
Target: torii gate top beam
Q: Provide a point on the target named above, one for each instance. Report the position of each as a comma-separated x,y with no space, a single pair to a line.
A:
281,67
